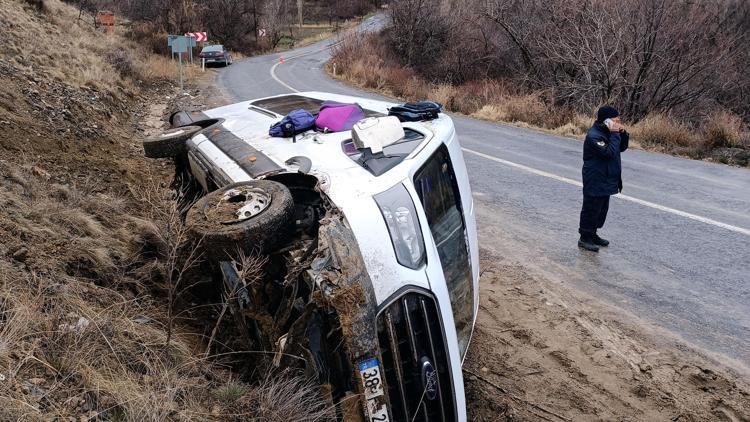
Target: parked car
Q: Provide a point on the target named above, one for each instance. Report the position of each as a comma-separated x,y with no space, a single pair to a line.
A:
372,258
216,54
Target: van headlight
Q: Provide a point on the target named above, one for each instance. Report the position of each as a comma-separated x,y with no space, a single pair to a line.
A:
401,218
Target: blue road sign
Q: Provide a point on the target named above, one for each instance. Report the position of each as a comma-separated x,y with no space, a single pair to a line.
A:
180,44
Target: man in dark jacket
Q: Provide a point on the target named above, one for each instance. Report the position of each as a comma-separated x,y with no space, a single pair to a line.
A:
602,172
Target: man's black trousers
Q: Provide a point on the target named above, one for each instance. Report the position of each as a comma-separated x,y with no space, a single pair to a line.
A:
593,214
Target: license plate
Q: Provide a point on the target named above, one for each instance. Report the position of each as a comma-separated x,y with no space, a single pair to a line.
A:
372,384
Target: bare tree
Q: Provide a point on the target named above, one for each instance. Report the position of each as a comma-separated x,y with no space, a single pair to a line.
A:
645,55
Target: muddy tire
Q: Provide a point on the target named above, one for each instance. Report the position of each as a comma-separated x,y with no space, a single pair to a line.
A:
170,143
253,216
180,118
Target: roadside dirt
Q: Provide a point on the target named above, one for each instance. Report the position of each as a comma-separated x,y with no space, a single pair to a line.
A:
543,352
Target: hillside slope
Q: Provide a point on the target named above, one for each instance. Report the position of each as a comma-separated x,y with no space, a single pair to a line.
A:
87,237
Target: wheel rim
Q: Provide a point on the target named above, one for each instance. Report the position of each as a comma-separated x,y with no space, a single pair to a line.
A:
243,203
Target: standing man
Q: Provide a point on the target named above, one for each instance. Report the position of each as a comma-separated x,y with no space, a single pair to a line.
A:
602,172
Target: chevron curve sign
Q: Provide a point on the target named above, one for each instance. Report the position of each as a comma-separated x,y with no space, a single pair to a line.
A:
199,36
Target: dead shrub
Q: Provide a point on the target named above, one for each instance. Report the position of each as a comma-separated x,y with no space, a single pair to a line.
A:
724,130
664,133
155,68
576,127
527,109
416,89
38,5
490,112
122,62
83,324
395,79
522,109
445,94
150,36
285,398
474,95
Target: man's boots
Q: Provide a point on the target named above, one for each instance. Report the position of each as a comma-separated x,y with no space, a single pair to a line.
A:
587,242
600,241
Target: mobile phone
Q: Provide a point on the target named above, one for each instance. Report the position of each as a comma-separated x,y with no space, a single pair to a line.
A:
609,123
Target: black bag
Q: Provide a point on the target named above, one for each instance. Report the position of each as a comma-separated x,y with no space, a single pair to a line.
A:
417,111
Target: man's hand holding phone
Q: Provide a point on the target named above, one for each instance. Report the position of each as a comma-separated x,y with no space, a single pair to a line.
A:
614,126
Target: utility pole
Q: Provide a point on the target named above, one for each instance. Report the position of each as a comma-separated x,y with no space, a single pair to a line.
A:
299,12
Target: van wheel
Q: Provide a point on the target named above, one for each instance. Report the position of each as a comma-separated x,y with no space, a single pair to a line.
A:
252,216
170,143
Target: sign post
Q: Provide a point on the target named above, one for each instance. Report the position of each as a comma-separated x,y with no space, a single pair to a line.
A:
196,37
179,46
181,86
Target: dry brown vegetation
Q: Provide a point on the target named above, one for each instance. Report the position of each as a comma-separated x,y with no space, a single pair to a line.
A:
367,61
97,318
234,23
70,50
85,317
489,59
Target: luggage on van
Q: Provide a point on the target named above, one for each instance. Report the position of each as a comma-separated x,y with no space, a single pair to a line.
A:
294,123
338,117
416,111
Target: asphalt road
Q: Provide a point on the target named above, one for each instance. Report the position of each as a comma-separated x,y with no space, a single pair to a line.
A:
680,252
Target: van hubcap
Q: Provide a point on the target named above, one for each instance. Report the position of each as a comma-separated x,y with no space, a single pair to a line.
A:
246,203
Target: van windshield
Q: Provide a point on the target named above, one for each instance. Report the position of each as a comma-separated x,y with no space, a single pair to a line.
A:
438,191
394,154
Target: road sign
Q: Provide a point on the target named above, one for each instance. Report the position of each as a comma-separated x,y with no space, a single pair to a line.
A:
261,32
180,44
107,20
199,36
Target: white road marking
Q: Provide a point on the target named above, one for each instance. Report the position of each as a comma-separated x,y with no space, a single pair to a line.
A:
286,59
276,78
620,196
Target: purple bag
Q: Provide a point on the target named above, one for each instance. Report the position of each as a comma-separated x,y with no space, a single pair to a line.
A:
338,117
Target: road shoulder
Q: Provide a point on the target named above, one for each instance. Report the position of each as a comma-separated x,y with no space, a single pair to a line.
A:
544,352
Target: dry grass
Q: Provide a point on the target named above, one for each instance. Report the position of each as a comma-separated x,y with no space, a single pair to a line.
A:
664,134
281,398
87,327
365,61
57,45
517,109
725,130
84,328
576,127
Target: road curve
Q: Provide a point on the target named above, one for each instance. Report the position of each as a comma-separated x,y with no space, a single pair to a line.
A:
680,253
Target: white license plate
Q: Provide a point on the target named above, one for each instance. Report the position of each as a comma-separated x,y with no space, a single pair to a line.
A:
372,384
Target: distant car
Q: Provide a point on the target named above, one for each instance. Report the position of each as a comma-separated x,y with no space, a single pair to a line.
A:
216,54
